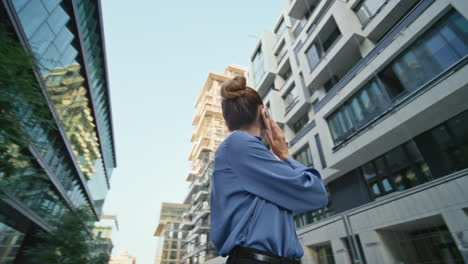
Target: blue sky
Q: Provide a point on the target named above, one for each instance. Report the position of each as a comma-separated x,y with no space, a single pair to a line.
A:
159,54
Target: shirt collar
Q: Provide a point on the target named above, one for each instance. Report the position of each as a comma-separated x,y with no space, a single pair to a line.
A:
259,138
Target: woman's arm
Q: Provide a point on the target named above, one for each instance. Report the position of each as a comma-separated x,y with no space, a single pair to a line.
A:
287,183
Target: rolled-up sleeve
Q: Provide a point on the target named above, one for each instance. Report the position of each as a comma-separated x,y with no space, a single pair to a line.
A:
287,183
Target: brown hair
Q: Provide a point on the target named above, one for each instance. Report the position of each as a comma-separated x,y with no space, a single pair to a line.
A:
240,103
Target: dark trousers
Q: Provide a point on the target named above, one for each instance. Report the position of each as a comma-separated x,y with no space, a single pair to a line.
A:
236,257
234,260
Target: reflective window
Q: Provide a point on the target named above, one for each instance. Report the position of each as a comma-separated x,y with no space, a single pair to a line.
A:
10,242
313,55
430,155
51,36
434,52
300,123
367,9
258,65
304,156
290,98
330,83
324,41
281,27
26,181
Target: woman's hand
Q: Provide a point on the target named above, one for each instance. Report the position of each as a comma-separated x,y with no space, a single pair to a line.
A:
277,140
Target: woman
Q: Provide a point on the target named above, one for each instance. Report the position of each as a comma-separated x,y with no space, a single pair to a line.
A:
254,193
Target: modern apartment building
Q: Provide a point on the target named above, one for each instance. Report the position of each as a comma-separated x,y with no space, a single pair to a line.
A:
209,131
373,93
169,227
68,162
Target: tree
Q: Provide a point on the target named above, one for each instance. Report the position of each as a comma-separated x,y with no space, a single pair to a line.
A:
69,242
22,104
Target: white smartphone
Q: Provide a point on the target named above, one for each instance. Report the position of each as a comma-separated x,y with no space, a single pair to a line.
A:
266,117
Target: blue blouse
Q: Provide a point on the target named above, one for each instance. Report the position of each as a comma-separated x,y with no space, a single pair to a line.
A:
254,194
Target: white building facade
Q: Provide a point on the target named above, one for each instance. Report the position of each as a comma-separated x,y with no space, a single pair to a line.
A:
374,94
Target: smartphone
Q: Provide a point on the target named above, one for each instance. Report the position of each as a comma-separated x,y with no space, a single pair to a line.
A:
266,117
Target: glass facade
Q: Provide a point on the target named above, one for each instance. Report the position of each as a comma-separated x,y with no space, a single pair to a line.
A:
53,35
433,53
27,182
64,165
10,243
435,153
92,41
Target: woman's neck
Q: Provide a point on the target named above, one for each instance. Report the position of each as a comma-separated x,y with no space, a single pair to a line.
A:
253,130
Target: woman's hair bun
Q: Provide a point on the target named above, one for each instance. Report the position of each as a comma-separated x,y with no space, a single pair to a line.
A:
234,88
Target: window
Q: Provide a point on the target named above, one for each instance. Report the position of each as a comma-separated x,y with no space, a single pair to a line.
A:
304,156
433,53
309,11
286,73
367,9
173,255
366,104
258,65
300,123
341,124
313,55
281,52
281,27
290,98
330,40
330,83
324,254
174,245
323,43
414,162
320,151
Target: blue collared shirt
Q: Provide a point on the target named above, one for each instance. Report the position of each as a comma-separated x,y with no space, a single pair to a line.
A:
254,195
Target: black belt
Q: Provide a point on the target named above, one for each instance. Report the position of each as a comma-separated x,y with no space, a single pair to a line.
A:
255,254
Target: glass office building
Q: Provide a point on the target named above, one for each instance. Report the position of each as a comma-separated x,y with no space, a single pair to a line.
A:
67,165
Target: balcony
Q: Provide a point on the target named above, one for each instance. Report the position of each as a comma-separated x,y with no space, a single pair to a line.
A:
302,8
187,225
201,213
194,187
387,17
337,61
263,59
201,194
206,109
199,247
205,143
200,229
